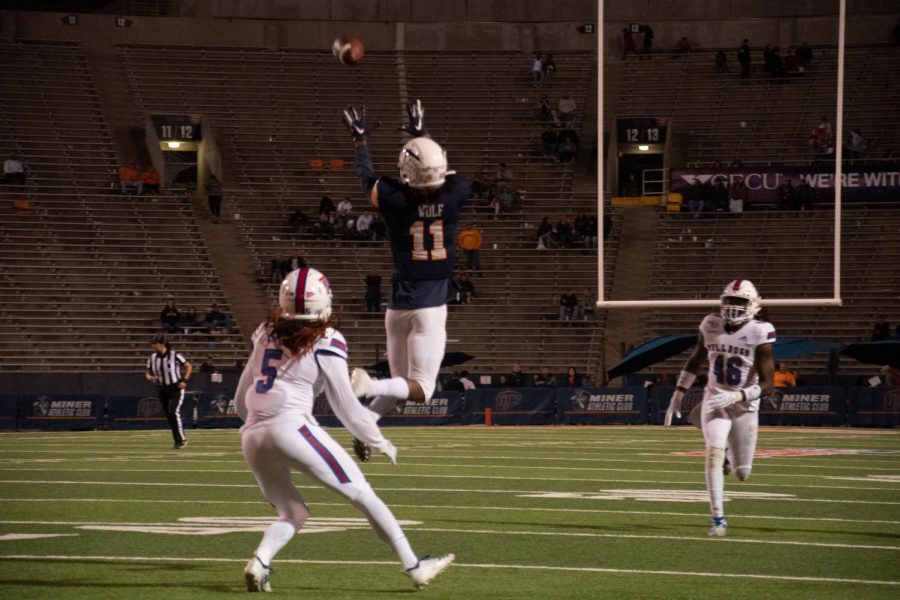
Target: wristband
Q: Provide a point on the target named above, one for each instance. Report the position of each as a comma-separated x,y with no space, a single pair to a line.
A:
752,393
685,380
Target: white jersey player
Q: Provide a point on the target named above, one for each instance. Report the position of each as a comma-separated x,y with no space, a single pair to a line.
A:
741,370
295,355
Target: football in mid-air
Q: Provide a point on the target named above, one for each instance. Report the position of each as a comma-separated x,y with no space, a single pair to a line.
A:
348,49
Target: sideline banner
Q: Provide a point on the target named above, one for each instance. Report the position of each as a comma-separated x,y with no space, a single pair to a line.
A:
823,406
602,406
9,406
216,410
512,406
145,412
861,183
444,408
875,407
660,395
61,412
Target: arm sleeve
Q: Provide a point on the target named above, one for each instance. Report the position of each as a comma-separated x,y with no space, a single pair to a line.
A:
358,419
364,169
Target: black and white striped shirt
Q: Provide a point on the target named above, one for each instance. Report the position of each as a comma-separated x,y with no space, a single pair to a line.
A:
166,367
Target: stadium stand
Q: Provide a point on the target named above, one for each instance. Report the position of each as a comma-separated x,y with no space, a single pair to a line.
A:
86,270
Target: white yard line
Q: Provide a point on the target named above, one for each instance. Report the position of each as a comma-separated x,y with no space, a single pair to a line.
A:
444,490
609,570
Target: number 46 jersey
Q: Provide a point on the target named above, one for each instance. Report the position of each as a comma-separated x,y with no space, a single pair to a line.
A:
732,355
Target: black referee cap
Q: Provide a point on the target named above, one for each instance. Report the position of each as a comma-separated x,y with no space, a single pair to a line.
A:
159,338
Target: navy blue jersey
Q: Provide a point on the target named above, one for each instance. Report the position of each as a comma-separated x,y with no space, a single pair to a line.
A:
422,227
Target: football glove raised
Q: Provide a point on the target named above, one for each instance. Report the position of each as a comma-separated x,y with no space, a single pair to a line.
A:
416,124
354,120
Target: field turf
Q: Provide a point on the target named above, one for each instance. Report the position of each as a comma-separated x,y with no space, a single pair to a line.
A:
530,513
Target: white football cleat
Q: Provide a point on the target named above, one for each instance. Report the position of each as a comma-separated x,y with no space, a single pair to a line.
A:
362,384
428,568
256,575
719,527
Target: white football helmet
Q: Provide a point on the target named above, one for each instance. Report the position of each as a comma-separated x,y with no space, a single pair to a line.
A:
306,295
740,302
423,164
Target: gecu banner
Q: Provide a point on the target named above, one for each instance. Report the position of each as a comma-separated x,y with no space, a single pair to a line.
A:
866,183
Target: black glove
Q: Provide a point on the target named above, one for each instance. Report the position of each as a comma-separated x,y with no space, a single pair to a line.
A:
416,113
355,121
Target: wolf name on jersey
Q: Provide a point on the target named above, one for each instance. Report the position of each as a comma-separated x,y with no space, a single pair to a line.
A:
732,355
422,234
283,384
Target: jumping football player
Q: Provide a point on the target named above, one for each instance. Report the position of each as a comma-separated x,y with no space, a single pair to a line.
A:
741,367
291,353
421,211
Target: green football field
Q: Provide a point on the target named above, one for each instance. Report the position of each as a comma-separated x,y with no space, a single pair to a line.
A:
529,512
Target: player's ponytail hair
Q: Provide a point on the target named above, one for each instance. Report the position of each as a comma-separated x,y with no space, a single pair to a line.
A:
297,335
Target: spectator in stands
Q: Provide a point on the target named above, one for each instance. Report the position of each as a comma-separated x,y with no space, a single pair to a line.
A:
323,228
470,242
478,186
298,221
744,58
466,289
545,378
326,206
776,63
14,172
150,179
720,197
549,142
363,226
216,320
589,304
792,63
784,377
295,262
517,378
548,68
721,62
170,317
567,145
628,43
695,201
806,196
858,147
467,383
684,45
542,112
130,178
567,107
787,196
189,320
881,330
502,202
565,233
586,229
345,211
373,292
544,234
738,196
804,56
567,305
573,379
767,58
453,384
648,39
209,365
503,381
276,270
504,176
214,197
537,69
378,229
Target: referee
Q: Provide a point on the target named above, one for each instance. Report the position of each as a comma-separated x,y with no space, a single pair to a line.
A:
169,370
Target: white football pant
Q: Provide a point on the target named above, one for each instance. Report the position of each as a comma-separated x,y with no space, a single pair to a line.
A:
735,431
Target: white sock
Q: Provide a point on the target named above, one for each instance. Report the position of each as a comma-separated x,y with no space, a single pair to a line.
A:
277,535
395,387
386,527
715,480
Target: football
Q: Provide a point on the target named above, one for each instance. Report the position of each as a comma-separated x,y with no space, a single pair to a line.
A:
348,49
